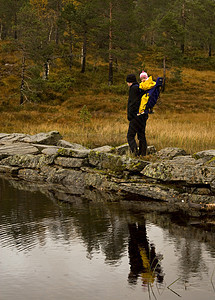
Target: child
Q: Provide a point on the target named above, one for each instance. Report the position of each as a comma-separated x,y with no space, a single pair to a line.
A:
146,84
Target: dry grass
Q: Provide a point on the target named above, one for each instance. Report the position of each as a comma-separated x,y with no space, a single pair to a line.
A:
192,131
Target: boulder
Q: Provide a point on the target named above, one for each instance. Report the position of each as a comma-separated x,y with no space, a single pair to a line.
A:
206,155
184,169
170,153
112,162
73,179
46,138
65,144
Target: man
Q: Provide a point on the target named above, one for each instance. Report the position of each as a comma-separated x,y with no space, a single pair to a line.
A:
137,124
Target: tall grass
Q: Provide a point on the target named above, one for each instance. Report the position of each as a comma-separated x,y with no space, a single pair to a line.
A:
192,131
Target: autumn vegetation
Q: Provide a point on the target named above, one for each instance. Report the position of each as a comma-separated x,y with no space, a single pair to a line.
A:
66,72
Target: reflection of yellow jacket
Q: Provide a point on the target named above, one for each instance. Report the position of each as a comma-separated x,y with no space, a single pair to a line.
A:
146,85
147,275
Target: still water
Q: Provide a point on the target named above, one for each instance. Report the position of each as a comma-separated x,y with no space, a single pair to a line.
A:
93,250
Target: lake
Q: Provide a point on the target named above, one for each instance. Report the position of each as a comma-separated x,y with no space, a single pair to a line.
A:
96,250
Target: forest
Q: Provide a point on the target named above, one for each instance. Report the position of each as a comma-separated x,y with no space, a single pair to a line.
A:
64,63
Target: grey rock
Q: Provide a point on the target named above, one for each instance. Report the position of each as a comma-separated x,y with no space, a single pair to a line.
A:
212,185
68,152
206,155
3,135
135,165
121,150
73,179
46,138
103,149
65,144
151,150
51,150
124,150
27,161
70,162
31,175
13,138
170,153
175,170
18,148
186,160
100,182
112,162
151,191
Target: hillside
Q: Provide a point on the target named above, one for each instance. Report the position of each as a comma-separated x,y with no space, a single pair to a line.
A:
86,110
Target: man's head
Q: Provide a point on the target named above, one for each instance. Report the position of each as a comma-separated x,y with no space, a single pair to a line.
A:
131,78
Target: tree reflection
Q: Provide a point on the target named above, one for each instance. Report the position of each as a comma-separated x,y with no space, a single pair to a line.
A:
144,262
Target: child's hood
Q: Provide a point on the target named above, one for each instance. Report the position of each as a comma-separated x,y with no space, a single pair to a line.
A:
148,84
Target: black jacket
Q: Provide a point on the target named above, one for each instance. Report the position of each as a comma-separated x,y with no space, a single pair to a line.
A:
133,101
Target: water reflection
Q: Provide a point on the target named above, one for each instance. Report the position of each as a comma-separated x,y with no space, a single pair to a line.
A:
141,246
143,259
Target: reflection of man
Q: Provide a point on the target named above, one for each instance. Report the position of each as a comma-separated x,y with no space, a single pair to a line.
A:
143,259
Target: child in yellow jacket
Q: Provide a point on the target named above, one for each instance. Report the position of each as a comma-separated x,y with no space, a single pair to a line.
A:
146,84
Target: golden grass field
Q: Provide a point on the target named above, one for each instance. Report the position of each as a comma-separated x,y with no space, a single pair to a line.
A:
184,117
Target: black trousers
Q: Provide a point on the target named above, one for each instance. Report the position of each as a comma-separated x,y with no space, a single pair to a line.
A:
137,126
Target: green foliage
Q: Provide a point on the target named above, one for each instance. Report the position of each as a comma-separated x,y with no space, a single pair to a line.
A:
118,89
176,76
61,84
85,115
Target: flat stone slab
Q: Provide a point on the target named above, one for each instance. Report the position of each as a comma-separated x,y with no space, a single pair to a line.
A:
170,153
75,146
69,162
3,135
12,138
18,148
46,138
69,152
184,170
50,150
103,149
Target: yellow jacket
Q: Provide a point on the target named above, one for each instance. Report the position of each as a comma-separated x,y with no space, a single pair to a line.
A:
146,85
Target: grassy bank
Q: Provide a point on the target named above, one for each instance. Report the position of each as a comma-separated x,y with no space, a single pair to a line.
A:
192,131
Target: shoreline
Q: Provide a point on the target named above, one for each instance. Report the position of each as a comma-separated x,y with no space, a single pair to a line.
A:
174,181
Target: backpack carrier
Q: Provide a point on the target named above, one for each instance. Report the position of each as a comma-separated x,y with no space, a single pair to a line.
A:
153,94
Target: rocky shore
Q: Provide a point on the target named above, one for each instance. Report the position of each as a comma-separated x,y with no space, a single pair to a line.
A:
170,181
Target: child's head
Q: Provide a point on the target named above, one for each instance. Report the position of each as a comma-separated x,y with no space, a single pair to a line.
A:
143,76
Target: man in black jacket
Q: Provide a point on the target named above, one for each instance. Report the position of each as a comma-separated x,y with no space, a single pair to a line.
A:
137,124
